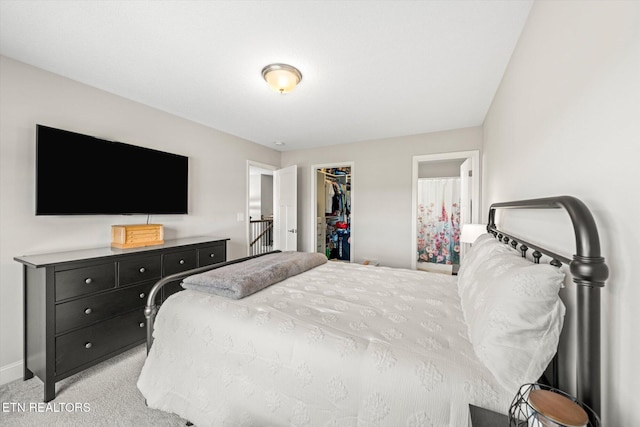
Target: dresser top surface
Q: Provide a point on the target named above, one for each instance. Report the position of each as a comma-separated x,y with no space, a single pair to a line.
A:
46,259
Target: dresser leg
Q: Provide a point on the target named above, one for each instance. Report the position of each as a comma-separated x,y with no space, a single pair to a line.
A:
27,374
49,390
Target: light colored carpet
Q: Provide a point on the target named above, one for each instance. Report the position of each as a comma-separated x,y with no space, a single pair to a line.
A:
103,395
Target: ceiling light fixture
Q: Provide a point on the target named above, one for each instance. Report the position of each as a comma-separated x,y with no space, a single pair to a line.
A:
282,78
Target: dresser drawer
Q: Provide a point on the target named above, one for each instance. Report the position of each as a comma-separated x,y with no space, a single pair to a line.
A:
79,347
176,262
212,254
139,269
85,306
88,310
85,280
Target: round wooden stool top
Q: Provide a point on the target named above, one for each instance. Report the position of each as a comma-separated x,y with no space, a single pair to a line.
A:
558,408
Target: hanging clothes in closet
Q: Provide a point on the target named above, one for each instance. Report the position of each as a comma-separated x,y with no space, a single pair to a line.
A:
338,198
337,214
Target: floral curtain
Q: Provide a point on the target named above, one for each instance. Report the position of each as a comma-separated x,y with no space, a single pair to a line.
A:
439,220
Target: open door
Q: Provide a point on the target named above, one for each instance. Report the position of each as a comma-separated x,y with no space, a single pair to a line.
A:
466,190
285,209
466,175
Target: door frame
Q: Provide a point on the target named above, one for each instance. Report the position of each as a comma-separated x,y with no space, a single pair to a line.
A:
313,237
474,155
250,164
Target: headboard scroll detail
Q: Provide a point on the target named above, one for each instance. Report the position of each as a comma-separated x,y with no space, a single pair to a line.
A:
589,271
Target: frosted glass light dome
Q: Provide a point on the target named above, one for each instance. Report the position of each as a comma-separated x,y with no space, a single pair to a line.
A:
282,78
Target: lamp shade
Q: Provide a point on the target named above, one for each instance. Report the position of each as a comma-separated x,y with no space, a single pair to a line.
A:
470,232
281,78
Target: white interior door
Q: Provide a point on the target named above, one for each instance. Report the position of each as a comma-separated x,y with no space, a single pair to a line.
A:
466,174
285,209
466,177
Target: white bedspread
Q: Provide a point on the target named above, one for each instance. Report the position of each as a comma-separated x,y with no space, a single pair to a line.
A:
339,345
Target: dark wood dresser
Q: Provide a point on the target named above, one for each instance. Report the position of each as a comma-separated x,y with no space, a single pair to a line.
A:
83,307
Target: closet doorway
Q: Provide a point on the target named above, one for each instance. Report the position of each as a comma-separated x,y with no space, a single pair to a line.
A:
332,210
445,197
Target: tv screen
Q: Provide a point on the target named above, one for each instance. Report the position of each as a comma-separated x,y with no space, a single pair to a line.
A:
82,175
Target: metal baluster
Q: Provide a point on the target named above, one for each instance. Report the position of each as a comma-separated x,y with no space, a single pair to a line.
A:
536,257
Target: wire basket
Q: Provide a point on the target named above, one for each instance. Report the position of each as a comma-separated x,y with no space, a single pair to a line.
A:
523,414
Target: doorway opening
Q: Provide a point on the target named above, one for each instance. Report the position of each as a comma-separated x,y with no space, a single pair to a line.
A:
445,197
260,228
332,210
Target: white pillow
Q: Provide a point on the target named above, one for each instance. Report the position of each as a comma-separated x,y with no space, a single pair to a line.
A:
514,315
482,250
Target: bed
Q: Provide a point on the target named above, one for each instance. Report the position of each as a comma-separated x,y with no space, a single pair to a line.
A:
351,345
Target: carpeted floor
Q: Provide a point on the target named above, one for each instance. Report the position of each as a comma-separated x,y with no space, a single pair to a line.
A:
104,395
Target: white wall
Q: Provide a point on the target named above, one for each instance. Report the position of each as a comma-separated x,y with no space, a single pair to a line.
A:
217,180
255,196
566,120
381,189
440,168
266,195
260,196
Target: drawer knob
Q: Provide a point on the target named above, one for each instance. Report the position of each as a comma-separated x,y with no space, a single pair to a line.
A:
141,324
181,261
142,270
88,280
212,255
88,311
142,295
88,345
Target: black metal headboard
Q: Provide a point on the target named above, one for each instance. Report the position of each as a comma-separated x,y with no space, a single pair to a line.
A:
589,272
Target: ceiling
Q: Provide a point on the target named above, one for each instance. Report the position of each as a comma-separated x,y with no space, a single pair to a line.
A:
371,69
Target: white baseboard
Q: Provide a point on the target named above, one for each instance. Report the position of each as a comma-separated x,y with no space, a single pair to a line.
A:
11,372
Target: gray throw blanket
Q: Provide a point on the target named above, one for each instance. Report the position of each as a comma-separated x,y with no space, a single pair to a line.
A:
245,278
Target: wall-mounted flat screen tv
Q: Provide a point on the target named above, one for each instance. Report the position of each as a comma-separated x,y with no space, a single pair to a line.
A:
82,175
